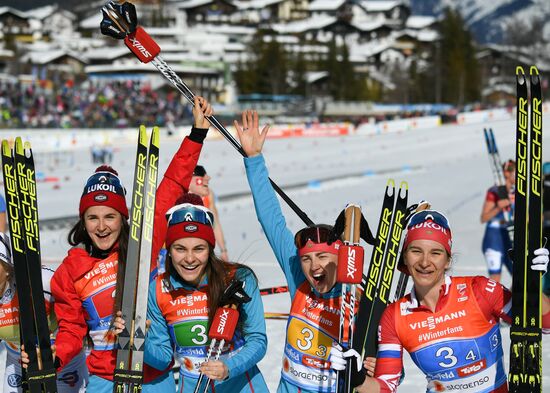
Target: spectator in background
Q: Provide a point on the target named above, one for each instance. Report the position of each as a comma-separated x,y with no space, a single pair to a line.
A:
89,105
199,186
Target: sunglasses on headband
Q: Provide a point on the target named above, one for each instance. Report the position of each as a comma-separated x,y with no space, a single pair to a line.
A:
425,215
190,213
317,234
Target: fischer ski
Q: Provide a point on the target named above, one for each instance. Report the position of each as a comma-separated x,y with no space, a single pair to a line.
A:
525,333
380,273
128,375
22,208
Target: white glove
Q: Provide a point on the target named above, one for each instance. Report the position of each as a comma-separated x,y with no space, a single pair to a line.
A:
540,261
339,359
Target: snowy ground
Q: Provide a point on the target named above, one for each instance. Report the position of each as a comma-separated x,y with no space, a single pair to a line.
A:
446,165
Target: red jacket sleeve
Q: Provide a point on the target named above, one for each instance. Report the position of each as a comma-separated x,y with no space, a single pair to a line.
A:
72,327
174,183
389,359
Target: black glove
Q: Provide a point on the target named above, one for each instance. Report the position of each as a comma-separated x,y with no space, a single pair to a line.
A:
340,224
235,294
119,20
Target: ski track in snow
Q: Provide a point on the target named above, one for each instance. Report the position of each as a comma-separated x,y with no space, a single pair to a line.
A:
451,170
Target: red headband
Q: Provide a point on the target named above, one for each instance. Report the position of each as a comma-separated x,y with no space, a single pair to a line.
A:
429,230
320,247
190,229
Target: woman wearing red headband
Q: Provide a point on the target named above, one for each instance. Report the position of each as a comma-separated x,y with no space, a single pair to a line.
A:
85,285
184,299
448,324
309,261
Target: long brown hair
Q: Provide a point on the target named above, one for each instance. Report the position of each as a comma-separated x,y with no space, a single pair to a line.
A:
79,236
219,273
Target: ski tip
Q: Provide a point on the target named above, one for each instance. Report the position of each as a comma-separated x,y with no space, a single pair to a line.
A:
404,185
520,71
19,145
142,135
27,146
533,70
390,183
6,150
155,136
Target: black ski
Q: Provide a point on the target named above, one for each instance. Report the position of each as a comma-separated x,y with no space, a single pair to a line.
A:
128,376
380,273
525,333
22,207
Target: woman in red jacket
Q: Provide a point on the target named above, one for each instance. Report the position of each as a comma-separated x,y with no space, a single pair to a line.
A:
84,285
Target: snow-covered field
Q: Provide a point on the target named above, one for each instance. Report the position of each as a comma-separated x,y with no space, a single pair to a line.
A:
446,165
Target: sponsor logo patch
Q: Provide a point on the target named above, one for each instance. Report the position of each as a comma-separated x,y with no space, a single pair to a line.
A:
191,228
100,198
14,380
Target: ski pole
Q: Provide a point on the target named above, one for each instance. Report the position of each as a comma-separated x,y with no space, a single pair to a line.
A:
120,23
224,323
273,290
349,271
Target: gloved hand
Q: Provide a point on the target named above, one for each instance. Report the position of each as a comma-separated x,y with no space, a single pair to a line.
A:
338,361
340,224
540,261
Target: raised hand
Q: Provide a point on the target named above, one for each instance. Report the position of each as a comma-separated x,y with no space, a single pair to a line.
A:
252,140
201,110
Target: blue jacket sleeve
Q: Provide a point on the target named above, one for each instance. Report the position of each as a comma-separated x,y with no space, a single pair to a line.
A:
270,216
253,327
158,347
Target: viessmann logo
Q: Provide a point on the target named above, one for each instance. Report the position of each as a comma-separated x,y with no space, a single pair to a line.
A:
432,322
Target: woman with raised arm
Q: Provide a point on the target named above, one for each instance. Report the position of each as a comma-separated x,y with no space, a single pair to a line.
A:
85,286
309,261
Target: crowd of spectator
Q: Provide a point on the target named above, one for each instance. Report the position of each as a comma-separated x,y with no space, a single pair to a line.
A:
89,105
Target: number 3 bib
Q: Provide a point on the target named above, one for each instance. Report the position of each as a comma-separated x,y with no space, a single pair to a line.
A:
312,327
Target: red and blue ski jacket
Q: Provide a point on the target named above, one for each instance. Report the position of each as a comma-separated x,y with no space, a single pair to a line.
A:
83,286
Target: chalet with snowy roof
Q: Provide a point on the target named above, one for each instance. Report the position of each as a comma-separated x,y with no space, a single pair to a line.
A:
211,11
389,9
53,21
54,61
497,64
15,24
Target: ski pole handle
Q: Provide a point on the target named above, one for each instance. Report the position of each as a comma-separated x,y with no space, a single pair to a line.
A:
351,254
224,323
147,50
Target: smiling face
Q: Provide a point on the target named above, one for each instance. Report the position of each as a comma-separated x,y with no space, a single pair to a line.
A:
199,185
103,225
320,270
427,261
190,258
